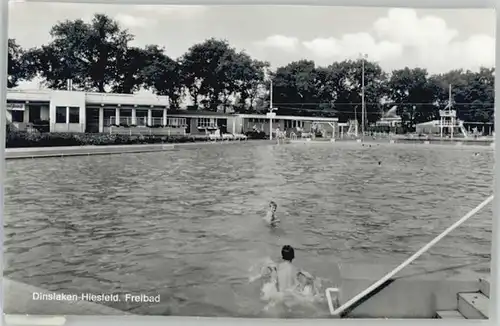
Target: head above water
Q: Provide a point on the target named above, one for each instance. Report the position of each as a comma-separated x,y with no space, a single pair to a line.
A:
287,253
273,205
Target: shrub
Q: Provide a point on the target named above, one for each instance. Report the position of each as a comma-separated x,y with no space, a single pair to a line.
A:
24,139
41,125
256,135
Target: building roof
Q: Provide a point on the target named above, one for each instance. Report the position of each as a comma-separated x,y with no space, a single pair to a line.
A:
432,123
199,113
290,117
136,100
391,113
21,95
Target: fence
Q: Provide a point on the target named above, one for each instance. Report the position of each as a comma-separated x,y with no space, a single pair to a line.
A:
145,131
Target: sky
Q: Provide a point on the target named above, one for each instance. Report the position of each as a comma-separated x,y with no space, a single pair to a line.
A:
436,39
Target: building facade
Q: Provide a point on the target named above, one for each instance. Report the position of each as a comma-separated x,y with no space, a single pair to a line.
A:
390,119
75,111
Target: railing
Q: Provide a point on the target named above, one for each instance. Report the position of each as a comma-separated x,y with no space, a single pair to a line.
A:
157,121
140,121
346,307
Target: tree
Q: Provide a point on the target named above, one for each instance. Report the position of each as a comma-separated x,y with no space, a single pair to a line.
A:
242,82
96,56
472,93
216,75
294,89
161,74
203,71
129,70
415,96
17,68
253,80
346,84
87,53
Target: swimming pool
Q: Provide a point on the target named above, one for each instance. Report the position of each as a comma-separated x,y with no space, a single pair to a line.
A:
187,224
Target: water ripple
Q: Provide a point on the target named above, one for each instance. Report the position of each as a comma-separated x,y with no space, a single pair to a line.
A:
187,224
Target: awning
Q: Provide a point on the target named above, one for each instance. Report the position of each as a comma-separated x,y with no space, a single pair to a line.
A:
16,106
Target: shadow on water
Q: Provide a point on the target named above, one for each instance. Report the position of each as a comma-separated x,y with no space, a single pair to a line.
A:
188,224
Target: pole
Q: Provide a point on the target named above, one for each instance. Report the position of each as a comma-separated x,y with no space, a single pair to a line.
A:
270,94
441,126
363,98
270,108
450,109
270,128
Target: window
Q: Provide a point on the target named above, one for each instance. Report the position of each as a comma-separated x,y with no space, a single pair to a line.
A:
157,113
109,117
17,116
157,118
74,114
35,113
141,117
125,117
126,113
207,122
60,114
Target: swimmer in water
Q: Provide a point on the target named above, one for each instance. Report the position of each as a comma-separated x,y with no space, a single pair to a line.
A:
286,276
284,284
286,272
271,218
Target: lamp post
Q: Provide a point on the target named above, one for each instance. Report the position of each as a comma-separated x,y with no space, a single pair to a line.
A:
271,113
363,109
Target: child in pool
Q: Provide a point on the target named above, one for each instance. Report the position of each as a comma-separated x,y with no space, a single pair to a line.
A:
271,218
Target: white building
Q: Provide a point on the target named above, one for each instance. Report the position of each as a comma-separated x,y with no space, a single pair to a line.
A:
75,111
390,119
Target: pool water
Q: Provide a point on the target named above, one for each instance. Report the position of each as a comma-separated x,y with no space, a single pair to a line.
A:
187,224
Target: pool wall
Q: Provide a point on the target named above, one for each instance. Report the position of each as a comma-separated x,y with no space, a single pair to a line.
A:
408,298
417,296
41,152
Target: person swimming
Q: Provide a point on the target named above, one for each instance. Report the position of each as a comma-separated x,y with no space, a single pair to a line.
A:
286,277
286,272
286,288
270,217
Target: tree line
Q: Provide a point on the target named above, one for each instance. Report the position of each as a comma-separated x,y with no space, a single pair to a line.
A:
98,56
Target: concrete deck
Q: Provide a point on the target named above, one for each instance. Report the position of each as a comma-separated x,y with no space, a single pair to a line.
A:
62,151
400,141
18,299
413,295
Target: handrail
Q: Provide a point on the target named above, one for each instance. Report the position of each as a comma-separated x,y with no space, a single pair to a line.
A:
407,262
329,292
